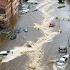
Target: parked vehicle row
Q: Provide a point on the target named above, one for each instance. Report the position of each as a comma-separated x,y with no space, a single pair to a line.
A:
26,7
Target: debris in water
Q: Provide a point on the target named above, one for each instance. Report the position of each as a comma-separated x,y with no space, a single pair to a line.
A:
28,45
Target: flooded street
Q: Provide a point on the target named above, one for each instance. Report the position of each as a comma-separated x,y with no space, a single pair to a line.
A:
36,48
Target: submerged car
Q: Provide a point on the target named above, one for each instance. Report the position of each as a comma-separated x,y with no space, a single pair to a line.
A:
9,34
62,49
62,62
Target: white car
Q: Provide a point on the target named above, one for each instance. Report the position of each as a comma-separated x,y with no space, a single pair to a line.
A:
24,10
62,62
32,1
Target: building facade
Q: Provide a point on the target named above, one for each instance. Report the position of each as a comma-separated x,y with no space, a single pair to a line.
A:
8,9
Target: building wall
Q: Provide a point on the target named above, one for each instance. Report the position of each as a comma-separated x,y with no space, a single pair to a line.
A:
8,10
14,17
3,3
10,7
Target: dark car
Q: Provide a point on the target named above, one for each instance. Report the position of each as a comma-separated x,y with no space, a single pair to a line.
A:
62,49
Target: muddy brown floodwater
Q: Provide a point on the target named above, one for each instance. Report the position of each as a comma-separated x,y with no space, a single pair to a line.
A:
3,41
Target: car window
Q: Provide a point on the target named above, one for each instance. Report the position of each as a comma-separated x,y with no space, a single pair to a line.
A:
66,59
61,61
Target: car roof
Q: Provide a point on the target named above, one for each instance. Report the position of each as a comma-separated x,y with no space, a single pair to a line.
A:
63,59
67,56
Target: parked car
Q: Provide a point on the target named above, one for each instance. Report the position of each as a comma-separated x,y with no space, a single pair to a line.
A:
62,62
4,52
32,1
24,9
62,49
